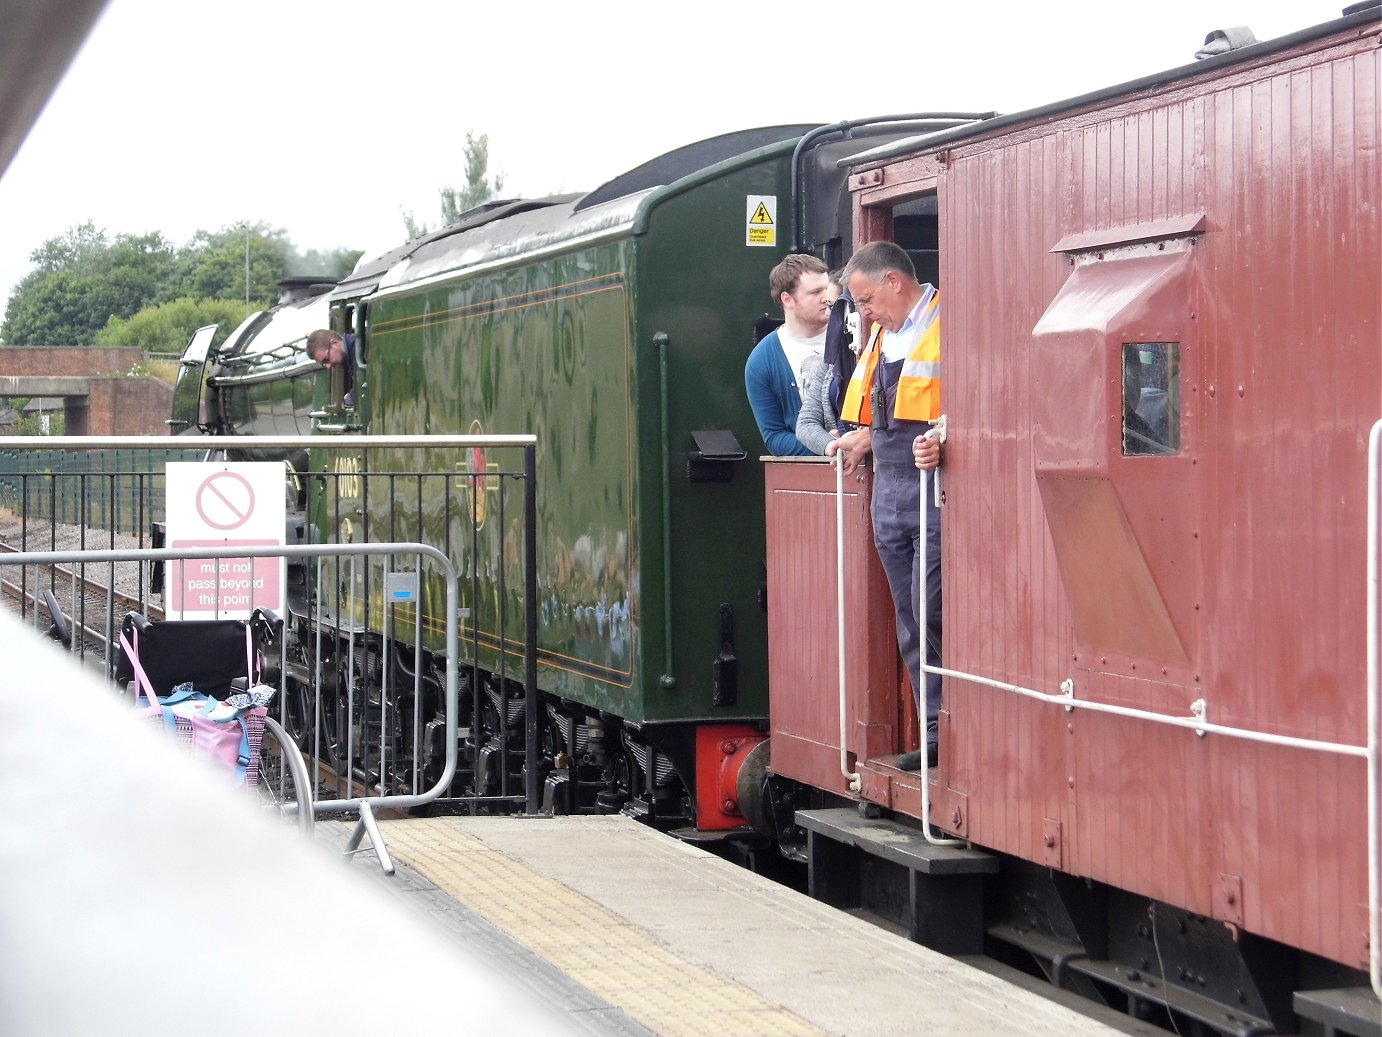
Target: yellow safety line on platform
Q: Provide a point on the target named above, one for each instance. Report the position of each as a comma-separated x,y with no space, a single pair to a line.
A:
612,959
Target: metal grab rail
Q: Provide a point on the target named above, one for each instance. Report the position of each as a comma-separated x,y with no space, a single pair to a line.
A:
1374,582
1371,751
841,640
249,443
302,781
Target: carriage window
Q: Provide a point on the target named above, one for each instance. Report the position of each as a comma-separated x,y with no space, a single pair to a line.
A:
1151,398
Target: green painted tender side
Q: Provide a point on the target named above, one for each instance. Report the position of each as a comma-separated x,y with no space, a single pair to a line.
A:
612,336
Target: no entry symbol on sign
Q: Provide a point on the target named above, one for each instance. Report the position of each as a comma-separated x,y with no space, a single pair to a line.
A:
225,501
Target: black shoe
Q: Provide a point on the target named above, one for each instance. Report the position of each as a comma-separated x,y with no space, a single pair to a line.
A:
909,762
933,751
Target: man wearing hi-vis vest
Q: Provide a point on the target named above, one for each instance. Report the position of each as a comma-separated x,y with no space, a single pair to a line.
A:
894,397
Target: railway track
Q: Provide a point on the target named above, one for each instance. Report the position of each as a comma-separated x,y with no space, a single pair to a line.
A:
94,608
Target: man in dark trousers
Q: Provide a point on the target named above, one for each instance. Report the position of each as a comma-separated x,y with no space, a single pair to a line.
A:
894,397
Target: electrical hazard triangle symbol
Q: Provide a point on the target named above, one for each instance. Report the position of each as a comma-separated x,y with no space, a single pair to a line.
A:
760,211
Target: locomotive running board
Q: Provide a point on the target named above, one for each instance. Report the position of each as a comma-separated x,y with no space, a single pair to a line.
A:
889,869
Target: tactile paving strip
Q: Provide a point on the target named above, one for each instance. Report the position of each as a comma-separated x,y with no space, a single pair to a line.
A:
609,957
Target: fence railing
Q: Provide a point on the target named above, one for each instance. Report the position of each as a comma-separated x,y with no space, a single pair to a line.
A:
112,490
392,697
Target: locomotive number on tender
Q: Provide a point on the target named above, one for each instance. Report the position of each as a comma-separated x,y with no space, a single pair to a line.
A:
347,471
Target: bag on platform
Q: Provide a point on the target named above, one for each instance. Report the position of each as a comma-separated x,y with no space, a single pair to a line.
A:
228,732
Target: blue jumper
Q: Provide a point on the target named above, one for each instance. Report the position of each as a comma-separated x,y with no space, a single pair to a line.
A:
774,397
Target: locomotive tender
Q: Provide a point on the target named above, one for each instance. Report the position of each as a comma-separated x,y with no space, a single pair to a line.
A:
1201,246
614,326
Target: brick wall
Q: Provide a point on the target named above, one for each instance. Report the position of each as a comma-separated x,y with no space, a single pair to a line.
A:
118,405
67,361
134,406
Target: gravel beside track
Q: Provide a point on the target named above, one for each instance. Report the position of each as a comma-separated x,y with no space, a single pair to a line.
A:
44,536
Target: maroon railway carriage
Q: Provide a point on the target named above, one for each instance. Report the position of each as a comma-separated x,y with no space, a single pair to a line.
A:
1162,363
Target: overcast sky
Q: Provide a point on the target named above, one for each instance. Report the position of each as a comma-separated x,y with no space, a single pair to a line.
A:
328,118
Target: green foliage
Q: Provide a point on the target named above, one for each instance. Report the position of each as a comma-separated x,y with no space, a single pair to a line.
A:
244,262
81,279
479,187
59,309
83,282
32,425
165,328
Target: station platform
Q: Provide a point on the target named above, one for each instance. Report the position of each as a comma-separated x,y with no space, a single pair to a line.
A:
145,893
631,932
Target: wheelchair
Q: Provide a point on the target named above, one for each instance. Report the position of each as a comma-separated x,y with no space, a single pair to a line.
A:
220,658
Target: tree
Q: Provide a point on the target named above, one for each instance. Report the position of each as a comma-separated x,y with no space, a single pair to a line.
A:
166,328
82,279
57,309
479,187
32,424
236,262
80,249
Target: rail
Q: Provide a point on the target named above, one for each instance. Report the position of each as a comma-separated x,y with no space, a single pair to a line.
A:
1374,712
841,638
80,593
1198,720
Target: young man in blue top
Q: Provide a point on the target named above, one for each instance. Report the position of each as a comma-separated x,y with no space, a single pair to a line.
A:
772,375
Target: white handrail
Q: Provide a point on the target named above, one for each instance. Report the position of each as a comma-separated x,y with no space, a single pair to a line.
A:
1371,752
852,776
923,614
1374,717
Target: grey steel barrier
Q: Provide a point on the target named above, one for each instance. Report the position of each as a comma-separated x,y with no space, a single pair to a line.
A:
386,511
365,805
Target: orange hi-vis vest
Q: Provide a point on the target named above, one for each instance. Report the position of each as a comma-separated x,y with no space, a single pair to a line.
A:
919,384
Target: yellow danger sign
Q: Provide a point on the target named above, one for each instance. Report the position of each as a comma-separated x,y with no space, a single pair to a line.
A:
760,221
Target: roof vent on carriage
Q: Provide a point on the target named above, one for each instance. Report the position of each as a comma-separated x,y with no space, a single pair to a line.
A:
1221,41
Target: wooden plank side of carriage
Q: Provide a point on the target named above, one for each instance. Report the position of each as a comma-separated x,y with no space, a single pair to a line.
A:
1231,572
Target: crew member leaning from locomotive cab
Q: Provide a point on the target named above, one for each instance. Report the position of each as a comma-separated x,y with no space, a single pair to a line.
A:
893,397
332,349
773,373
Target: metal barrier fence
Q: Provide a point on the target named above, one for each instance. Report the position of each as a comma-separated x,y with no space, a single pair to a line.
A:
425,701
304,780
116,491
